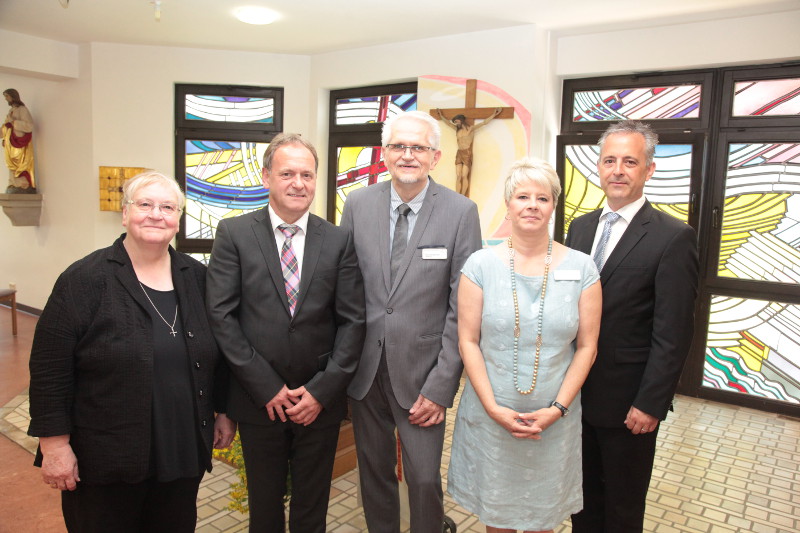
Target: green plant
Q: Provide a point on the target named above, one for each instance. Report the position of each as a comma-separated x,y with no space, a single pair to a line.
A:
233,456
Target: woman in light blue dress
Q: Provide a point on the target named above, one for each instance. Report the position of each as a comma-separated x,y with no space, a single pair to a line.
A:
516,456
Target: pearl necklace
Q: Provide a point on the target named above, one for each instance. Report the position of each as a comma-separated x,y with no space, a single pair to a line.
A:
174,320
547,260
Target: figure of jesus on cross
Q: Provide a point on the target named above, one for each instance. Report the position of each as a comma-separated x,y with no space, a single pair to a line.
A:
465,132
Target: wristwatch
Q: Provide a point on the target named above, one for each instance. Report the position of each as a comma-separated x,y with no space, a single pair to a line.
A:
564,410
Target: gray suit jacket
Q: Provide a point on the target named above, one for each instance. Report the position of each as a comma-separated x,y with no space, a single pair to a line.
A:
416,317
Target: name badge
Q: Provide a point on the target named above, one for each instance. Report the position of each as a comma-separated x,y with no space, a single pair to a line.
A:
567,275
434,253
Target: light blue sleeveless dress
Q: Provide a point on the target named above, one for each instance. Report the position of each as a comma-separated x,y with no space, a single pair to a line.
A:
521,483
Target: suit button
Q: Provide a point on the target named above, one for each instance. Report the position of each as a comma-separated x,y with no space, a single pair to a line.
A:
190,334
291,329
389,310
201,392
379,342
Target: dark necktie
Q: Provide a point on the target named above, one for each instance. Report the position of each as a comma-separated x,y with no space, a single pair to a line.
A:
599,253
400,239
291,277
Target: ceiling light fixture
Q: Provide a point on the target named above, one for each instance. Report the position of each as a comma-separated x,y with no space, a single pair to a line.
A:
256,15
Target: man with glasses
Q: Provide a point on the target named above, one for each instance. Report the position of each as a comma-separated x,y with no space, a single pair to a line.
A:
412,237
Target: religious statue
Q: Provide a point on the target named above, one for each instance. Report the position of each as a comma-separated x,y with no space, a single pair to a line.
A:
465,134
17,145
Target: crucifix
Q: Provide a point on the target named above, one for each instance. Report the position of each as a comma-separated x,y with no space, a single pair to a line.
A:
459,119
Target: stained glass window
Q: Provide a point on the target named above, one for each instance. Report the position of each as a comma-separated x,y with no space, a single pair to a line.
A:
752,348
780,97
221,134
668,189
373,109
642,103
229,108
355,121
223,179
357,166
760,237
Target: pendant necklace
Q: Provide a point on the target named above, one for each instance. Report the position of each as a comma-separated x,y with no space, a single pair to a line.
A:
174,320
547,260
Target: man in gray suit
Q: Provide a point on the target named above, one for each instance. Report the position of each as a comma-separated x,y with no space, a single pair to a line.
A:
412,237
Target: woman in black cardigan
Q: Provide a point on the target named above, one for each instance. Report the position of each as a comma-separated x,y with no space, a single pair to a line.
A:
126,377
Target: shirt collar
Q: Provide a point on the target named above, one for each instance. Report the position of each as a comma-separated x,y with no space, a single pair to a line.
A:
276,221
626,211
415,204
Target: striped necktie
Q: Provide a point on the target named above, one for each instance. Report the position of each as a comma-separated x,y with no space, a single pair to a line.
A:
291,276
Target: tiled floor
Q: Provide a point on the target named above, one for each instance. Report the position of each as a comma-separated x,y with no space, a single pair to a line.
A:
718,469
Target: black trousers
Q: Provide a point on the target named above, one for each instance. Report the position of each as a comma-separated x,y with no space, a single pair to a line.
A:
272,452
616,475
146,507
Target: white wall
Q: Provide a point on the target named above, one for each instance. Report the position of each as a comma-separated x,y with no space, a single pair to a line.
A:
116,106
118,110
492,56
733,41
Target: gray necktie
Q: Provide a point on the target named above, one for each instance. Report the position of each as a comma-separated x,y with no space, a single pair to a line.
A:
599,253
400,239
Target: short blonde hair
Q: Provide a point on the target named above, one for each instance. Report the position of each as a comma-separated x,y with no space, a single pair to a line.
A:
532,169
150,178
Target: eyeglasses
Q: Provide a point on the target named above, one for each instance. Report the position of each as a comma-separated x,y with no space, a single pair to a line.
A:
146,206
401,148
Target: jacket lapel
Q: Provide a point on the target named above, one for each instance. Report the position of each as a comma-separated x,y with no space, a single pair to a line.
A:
126,275
262,229
633,234
313,246
584,239
381,209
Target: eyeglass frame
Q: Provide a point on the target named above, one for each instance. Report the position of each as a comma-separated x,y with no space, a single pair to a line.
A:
155,206
414,148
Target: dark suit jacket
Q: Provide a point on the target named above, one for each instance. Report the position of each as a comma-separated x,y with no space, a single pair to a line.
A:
265,346
92,363
649,288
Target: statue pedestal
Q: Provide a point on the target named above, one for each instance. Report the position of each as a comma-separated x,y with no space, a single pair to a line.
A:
22,209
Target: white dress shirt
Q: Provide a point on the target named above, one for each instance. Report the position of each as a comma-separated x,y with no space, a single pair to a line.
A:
626,214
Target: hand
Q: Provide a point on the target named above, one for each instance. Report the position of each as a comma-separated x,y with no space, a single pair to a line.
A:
59,464
640,422
542,418
281,401
306,408
426,413
520,425
224,431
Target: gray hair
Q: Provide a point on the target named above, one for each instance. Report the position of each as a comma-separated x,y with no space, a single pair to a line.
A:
535,170
434,137
145,179
283,139
630,127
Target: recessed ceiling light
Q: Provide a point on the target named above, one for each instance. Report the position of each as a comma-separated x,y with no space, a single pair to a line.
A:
256,15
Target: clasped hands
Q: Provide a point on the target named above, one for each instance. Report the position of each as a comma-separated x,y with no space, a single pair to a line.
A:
525,425
298,405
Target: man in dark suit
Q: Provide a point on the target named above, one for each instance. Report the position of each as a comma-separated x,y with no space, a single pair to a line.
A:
648,270
286,301
412,237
